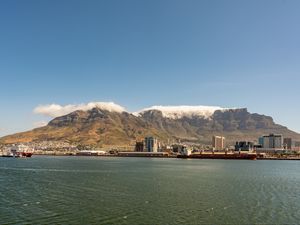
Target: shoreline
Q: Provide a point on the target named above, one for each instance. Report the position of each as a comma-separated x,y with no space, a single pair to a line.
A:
171,157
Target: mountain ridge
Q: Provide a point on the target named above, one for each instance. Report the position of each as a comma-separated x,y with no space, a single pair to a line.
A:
100,127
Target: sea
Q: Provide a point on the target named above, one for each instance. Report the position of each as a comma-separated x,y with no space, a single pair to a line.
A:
112,190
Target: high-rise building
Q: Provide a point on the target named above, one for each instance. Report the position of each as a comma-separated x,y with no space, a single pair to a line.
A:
218,142
261,141
139,146
287,143
151,144
273,141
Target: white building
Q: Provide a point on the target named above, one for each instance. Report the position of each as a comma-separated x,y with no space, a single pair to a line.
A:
218,143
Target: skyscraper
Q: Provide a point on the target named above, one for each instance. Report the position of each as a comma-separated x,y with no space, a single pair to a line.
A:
151,144
139,146
261,141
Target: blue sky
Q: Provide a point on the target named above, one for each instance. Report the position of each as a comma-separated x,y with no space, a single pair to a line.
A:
143,53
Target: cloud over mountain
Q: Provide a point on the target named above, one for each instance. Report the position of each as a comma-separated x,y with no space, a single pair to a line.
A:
173,112
177,112
106,124
55,110
39,124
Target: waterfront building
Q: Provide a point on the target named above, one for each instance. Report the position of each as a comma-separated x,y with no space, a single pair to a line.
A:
244,146
271,144
139,146
297,144
273,141
287,143
261,141
256,146
151,144
218,142
181,149
185,151
177,148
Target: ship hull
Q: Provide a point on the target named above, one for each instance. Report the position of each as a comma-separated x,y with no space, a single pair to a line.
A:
26,154
219,156
8,156
19,155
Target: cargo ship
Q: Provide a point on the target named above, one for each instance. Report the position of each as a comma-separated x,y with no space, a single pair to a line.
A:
219,155
143,154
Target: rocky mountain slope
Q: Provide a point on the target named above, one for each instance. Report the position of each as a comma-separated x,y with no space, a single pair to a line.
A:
100,127
93,127
234,124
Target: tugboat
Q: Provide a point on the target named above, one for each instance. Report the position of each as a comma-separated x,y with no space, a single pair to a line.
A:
23,151
26,154
18,151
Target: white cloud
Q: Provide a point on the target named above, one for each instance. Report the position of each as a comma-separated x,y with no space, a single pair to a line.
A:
55,110
39,124
176,112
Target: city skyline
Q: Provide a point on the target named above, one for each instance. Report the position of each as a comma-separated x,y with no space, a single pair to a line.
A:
137,54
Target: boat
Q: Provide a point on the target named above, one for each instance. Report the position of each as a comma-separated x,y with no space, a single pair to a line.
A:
7,156
26,154
20,151
11,154
18,155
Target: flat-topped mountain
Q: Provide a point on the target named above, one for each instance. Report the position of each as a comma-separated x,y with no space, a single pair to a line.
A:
234,124
99,127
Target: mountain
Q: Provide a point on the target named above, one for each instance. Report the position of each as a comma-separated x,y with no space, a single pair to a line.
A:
234,124
93,127
102,127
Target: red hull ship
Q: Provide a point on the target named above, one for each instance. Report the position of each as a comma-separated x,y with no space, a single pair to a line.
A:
26,154
219,156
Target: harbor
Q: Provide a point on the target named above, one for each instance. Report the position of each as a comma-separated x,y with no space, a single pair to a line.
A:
268,147
203,155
